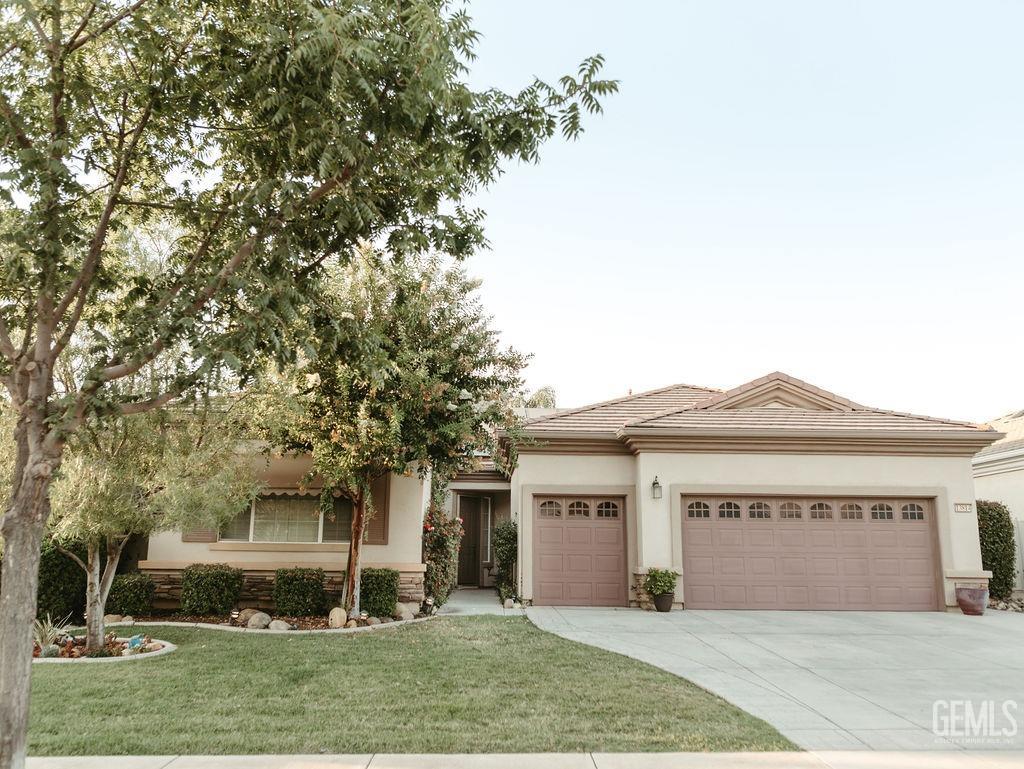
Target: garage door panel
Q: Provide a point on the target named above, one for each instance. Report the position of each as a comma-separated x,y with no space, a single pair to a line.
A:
576,534
549,536
776,562
579,559
760,537
608,536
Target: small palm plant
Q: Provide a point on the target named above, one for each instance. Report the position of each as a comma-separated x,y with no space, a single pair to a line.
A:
45,633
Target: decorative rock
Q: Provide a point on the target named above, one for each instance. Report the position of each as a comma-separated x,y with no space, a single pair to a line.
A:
337,618
352,623
258,621
509,603
128,618
50,651
279,624
153,647
412,607
108,618
517,605
245,615
403,613
372,621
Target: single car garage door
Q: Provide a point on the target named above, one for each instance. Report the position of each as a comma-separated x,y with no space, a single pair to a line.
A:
579,551
749,552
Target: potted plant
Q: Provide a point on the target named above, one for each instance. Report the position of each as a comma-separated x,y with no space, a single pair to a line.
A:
972,599
660,585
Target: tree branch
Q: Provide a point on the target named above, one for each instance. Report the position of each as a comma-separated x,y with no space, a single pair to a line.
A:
76,44
138,407
72,556
33,17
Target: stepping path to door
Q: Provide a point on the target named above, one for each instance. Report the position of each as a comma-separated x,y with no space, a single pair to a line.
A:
827,680
470,600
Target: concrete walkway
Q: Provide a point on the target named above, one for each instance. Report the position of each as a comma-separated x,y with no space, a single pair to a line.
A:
822,760
470,600
833,680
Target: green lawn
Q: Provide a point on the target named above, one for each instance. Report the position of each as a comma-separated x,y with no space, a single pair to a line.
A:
454,685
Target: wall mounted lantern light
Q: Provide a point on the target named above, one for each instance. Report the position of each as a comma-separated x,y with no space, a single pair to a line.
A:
656,489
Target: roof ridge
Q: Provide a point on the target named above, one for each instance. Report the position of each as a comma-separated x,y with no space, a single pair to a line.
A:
724,395
940,420
620,399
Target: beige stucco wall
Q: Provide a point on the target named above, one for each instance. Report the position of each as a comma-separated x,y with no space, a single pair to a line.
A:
656,539
407,500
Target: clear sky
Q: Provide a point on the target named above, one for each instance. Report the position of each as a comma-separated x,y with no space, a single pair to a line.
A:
830,189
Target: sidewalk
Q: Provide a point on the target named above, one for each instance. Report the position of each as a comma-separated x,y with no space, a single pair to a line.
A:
811,760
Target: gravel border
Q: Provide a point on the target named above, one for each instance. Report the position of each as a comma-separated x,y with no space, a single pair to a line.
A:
168,648
268,631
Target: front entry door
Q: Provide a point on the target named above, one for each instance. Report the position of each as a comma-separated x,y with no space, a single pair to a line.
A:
469,550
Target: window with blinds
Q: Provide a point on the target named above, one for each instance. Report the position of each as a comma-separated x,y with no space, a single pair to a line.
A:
290,519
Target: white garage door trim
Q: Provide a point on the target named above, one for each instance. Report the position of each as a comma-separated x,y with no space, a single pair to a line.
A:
736,556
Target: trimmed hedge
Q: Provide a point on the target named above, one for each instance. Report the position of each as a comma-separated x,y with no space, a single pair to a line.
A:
998,548
299,592
505,550
210,588
131,594
378,592
61,583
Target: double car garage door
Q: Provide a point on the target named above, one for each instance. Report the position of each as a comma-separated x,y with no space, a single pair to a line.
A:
749,552
809,553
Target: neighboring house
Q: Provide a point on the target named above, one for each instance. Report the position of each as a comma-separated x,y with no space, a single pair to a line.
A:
284,528
999,476
773,495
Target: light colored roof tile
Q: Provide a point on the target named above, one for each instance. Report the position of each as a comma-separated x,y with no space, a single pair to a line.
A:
799,419
609,416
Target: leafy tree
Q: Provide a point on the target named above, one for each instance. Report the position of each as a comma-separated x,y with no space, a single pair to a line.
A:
268,138
413,381
541,398
137,475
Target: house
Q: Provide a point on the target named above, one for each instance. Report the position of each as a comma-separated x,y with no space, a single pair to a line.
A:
999,476
773,495
285,527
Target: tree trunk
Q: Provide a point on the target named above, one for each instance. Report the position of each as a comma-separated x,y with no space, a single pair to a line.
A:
22,529
97,587
351,592
93,599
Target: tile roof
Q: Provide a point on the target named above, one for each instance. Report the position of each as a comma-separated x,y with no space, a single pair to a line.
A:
1013,426
771,418
684,408
609,416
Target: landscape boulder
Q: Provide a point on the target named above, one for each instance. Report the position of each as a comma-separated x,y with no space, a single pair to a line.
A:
351,623
402,612
337,618
372,621
245,615
279,624
108,618
258,621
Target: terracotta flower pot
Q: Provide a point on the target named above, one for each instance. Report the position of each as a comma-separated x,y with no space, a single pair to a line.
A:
972,600
664,601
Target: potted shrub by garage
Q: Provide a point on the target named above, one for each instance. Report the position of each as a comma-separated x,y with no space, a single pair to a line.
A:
660,585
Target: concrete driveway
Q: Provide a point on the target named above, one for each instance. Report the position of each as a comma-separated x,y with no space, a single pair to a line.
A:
832,680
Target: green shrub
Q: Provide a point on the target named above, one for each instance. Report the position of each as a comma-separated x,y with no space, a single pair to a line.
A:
61,582
660,581
505,551
131,594
210,588
299,592
442,534
378,592
998,548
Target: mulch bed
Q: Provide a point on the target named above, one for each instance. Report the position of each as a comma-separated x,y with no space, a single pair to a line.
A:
301,623
73,647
